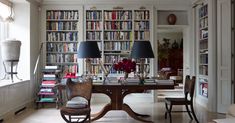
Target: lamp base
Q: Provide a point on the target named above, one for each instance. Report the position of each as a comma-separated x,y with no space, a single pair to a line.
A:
141,81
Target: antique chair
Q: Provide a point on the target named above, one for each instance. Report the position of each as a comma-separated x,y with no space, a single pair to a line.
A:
186,100
77,109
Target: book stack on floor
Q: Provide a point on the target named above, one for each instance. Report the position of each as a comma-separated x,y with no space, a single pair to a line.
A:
48,92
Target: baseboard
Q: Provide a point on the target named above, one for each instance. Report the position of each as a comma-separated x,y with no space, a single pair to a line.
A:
17,110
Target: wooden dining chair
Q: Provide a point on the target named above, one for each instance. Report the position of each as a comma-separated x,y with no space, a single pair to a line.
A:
77,109
186,100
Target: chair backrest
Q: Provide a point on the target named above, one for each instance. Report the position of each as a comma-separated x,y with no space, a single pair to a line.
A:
189,87
83,89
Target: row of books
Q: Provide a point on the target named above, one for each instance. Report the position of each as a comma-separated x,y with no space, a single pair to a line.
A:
93,35
118,14
203,69
93,15
93,25
204,58
48,83
60,26
69,69
62,36
117,35
203,89
112,58
142,35
96,69
142,15
203,34
203,44
203,22
62,14
203,11
141,25
62,47
123,45
61,58
95,61
118,25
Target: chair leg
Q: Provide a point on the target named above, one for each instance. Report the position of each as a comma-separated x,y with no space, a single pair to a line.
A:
194,115
189,113
170,113
167,110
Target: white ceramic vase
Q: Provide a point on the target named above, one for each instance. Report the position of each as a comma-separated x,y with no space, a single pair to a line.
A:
10,50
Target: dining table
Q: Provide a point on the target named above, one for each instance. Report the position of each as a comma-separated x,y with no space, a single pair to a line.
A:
117,91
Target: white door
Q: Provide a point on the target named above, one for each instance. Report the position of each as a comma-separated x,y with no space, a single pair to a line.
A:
224,84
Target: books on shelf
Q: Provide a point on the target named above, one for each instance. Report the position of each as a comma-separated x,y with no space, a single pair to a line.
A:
142,15
62,14
62,36
46,90
117,14
47,100
48,83
51,67
93,14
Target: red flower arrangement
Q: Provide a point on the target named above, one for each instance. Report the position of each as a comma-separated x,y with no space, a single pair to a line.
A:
125,65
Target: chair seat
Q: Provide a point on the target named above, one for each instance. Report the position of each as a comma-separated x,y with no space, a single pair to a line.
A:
176,101
75,111
77,102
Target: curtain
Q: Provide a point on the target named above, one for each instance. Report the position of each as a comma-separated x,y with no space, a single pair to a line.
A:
5,11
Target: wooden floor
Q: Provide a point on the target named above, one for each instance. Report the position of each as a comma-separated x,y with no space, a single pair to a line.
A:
156,110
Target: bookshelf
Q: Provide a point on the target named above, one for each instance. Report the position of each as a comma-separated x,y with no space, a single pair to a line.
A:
62,39
94,32
117,36
203,51
142,30
115,29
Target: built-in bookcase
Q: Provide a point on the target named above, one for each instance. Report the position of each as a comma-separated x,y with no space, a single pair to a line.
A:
117,36
115,29
94,31
142,30
62,39
203,51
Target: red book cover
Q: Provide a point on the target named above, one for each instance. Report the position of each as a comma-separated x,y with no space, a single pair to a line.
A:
48,82
113,14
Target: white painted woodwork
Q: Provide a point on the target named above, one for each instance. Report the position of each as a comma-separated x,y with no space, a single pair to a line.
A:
212,54
14,96
209,102
224,85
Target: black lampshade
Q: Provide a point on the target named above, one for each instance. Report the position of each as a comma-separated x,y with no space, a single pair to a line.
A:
88,49
142,49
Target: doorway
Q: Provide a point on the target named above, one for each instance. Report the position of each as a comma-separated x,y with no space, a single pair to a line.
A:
170,52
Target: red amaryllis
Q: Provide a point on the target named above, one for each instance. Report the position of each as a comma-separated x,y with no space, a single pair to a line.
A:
125,65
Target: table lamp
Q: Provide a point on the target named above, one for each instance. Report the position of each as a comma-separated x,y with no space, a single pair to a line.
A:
142,50
88,50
